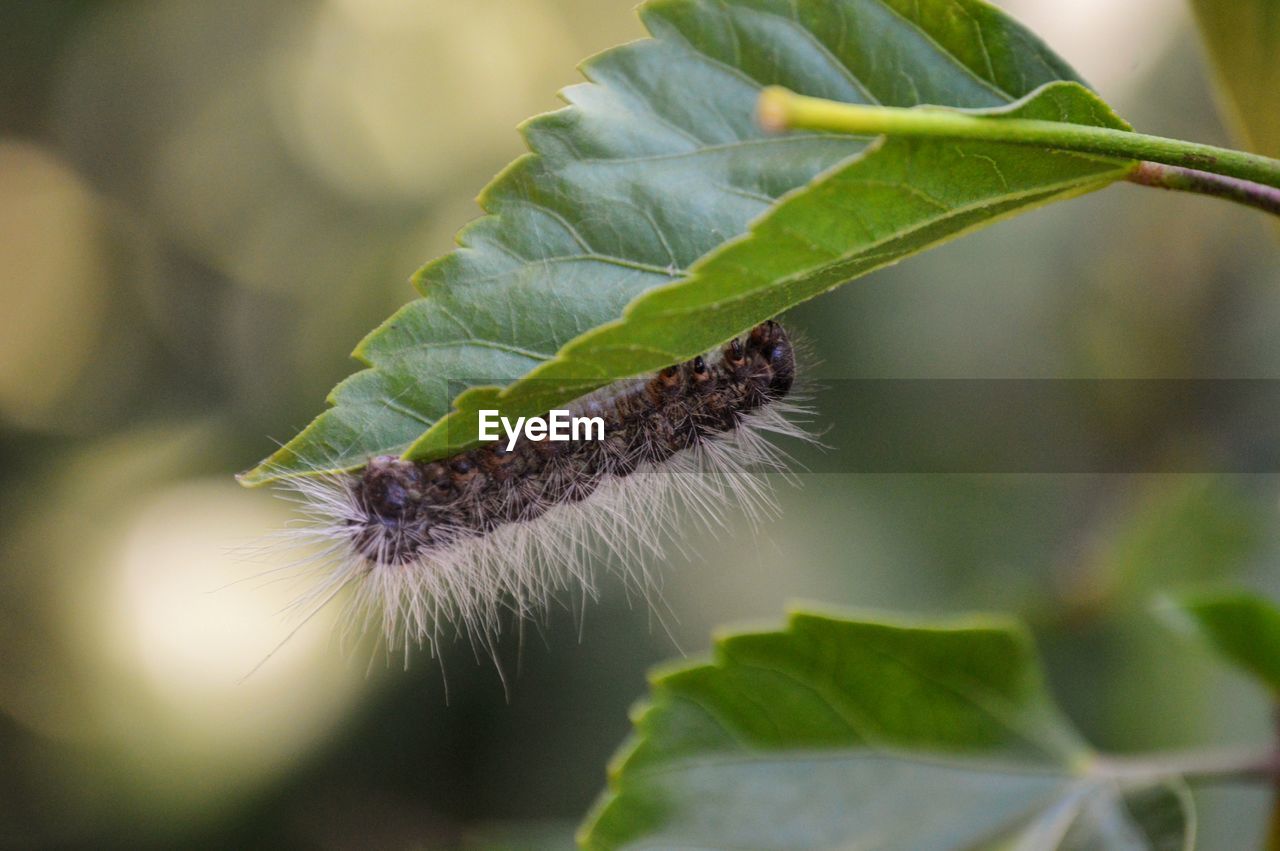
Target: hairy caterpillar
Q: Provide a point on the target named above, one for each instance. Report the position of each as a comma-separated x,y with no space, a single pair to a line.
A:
461,540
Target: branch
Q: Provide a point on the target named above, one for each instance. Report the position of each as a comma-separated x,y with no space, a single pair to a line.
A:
1254,195
1254,180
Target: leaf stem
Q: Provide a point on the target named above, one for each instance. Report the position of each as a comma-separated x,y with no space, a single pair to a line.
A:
1194,164
1223,765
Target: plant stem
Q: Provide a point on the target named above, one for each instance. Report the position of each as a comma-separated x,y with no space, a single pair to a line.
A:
780,109
1255,195
1226,765
1272,841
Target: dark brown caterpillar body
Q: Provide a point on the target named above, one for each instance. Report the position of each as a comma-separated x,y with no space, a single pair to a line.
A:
412,507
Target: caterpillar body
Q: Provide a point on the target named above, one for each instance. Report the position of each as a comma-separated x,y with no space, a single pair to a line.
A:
462,540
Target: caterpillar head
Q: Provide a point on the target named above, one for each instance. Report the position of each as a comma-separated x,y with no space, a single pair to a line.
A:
390,490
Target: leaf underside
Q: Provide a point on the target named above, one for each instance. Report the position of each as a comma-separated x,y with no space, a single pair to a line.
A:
838,733
654,220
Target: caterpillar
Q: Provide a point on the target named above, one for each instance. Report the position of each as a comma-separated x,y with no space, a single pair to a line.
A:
460,541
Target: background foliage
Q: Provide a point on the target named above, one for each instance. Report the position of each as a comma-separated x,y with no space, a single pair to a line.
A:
205,205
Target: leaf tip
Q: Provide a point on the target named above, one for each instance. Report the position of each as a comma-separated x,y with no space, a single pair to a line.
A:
253,477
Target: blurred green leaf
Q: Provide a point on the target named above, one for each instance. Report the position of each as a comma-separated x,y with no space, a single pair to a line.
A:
1243,37
1243,628
1179,531
845,733
659,162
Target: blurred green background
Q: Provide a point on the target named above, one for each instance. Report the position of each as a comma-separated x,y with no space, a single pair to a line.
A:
204,205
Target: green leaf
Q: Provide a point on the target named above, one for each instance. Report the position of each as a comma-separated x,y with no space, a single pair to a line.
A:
1243,628
621,243
1243,37
863,734
1192,529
